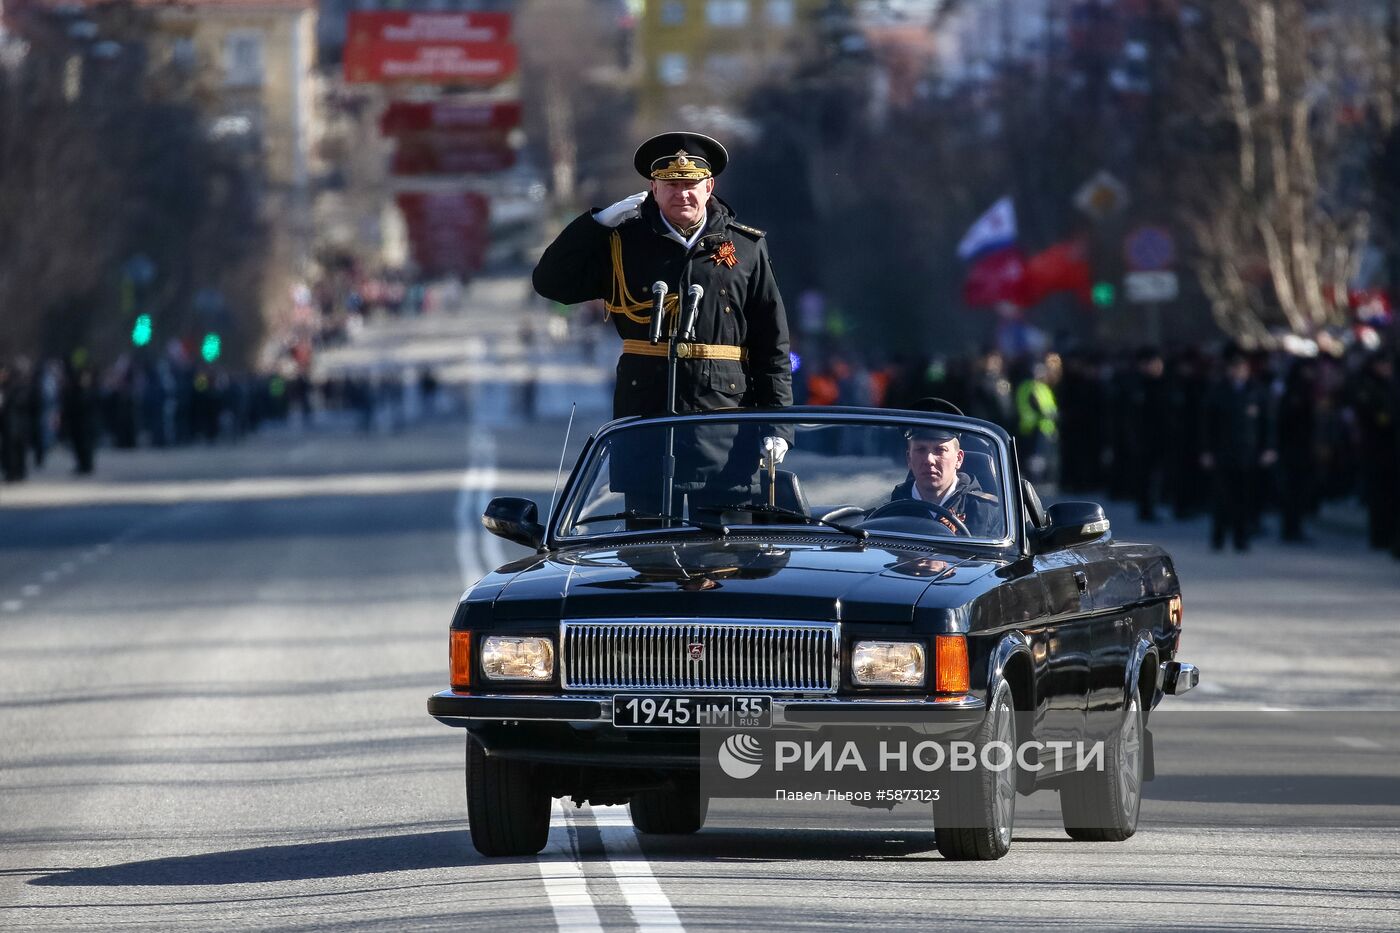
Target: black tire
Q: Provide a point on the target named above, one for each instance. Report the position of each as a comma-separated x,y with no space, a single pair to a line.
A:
507,810
677,810
1103,806
976,810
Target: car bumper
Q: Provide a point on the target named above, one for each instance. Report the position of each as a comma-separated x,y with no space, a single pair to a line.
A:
460,709
578,729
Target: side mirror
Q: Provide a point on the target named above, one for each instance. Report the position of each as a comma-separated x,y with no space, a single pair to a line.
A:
1071,523
515,520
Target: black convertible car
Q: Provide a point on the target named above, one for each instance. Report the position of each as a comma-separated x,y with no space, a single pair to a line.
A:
894,565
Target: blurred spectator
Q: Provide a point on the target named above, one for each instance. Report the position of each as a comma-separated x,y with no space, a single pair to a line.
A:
1236,441
15,403
80,410
1373,404
1145,410
1297,440
1037,421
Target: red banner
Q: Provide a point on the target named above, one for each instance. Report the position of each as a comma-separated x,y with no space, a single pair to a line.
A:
482,63
448,233
406,117
995,279
405,26
452,154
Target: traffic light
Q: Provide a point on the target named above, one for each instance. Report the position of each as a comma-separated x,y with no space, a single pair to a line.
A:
142,331
212,347
1105,294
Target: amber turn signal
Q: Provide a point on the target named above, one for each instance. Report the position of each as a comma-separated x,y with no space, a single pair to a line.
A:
460,659
1174,610
951,673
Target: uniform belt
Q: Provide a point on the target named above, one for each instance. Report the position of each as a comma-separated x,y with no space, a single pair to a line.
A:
687,351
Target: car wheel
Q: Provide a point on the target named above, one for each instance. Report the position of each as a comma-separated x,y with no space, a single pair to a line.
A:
676,810
1103,806
976,810
507,809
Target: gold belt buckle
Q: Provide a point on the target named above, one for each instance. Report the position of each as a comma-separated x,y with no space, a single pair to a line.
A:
683,350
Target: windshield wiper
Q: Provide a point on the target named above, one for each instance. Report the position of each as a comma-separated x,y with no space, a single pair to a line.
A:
715,527
859,533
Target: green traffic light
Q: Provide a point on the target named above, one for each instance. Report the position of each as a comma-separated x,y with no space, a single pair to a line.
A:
1105,294
142,331
211,348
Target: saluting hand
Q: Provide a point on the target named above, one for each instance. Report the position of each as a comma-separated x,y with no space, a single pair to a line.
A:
616,214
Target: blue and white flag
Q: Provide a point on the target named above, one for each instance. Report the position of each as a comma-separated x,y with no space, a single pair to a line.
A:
994,230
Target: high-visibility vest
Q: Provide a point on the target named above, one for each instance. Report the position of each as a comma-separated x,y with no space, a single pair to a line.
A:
1035,408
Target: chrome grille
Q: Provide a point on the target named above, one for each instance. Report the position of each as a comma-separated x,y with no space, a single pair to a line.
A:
796,657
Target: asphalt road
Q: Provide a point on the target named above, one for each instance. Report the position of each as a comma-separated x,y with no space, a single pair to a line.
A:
213,668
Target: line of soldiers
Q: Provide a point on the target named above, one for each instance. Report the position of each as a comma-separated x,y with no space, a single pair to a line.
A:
40,404
1227,434
1235,436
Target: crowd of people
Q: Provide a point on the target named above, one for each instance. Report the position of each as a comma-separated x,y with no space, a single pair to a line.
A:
163,402
1229,434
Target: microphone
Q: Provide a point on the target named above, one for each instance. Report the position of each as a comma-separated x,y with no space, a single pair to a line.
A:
658,314
692,308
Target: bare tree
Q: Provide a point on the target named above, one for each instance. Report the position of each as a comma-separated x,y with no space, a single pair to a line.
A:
1263,186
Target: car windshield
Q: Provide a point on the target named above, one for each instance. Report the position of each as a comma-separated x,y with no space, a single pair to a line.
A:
923,478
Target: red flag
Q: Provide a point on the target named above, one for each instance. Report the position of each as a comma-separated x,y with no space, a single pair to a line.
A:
1063,267
996,278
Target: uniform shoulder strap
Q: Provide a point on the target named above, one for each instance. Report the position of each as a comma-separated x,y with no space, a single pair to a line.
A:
754,232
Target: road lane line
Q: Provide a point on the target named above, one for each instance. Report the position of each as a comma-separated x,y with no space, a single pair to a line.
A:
31,590
1356,741
564,882
649,905
50,576
483,445
12,605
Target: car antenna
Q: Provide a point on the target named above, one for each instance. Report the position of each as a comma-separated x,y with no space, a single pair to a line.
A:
557,476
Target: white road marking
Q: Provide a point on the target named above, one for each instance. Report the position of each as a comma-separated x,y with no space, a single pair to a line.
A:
650,907
31,590
267,487
50,575
1211,687
1356,741
564,884
12,605
68,566
104,549
483,445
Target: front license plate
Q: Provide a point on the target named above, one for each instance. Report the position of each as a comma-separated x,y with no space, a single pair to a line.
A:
663,711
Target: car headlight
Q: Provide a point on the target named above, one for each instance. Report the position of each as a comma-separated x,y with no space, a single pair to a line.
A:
513,657
888,663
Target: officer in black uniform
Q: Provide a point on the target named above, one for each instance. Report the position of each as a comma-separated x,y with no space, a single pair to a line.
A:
1374,406
678,232
1237,441
934,456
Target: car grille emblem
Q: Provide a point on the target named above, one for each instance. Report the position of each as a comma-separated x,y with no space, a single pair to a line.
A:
695,651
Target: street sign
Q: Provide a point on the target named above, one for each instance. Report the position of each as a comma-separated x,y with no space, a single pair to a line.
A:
406,26
458,153
1150,288
1101,196
483,63
403,117
1149,249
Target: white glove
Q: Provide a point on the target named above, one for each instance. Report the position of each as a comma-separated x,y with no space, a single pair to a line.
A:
622,211
777,446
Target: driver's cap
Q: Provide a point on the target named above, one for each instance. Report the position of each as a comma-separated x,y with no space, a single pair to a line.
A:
929,432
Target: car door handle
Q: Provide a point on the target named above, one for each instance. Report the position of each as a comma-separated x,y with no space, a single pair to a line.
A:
1081,581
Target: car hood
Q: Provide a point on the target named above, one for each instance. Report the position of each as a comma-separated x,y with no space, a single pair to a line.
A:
730,579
